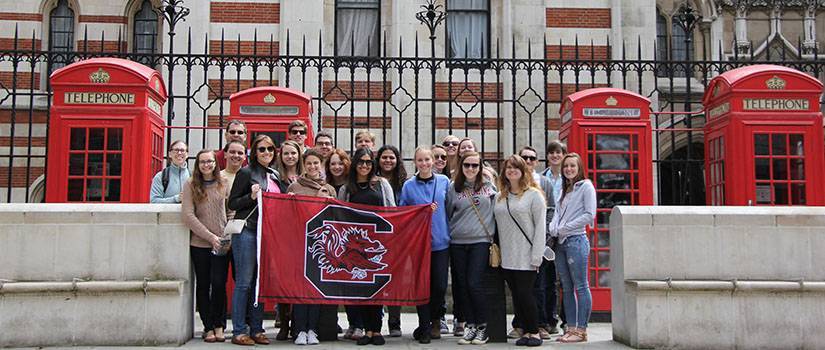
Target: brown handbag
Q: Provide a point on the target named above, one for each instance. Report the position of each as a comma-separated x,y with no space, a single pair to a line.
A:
495,251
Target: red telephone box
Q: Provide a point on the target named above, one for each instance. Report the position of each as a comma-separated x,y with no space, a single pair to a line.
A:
610,129
106,137
764,138
269,110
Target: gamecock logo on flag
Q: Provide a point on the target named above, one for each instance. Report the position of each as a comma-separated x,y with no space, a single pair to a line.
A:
322,251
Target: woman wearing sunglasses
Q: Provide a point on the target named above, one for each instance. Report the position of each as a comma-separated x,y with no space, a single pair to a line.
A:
251,180
440,161
470,214
364,187
450,144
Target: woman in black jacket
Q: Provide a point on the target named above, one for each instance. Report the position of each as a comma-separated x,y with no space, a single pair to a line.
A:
243,199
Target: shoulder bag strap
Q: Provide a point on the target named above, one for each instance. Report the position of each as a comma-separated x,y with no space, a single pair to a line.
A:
478,214
507,200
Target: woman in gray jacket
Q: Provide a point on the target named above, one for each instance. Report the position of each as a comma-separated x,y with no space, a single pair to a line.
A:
520,212
576,210
469,208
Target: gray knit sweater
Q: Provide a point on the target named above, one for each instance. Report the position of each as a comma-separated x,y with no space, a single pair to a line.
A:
530,210
465,225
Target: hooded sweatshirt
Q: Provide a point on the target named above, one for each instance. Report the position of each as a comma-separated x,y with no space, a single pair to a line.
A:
177,178
465,225
418,191
575,211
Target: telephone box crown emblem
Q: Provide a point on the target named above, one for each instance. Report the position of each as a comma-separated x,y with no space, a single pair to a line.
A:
269,99
99,77
775,83
611,101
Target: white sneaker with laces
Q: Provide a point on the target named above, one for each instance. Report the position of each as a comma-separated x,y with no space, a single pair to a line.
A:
358,334
312,338
481,336
301,338
469,335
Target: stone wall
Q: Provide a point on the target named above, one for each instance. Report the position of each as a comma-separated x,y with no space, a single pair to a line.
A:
89,274
718,277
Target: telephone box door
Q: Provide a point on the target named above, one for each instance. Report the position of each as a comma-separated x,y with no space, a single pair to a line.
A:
616,163
779,169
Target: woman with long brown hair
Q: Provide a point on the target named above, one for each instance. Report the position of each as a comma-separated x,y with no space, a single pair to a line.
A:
337,168
576,210
289,163
257,177
520,213
204,211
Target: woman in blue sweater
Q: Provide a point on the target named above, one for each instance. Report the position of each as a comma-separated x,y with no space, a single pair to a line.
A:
430,188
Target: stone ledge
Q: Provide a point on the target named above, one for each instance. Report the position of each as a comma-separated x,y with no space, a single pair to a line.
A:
91,287
733,286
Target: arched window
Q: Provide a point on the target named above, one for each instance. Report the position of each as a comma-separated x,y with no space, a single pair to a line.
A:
680,50
61,33
145,38
661,43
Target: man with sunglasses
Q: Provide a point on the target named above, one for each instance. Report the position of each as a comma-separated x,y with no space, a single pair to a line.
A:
297,131
235,131
546,280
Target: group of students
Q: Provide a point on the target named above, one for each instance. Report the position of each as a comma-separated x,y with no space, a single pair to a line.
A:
525,212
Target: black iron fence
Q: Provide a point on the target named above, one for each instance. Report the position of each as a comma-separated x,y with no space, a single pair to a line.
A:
407,96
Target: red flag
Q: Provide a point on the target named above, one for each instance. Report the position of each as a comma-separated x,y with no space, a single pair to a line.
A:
323,251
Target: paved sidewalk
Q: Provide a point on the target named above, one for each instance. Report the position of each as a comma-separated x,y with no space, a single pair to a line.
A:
600,337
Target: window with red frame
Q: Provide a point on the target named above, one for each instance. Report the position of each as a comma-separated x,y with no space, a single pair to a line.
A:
95,164
716,164
779,168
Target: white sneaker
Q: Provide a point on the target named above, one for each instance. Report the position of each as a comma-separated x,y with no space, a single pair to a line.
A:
301,339
312,338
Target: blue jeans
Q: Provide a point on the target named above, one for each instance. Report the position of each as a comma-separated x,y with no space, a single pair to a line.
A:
244,254
571,258
469,263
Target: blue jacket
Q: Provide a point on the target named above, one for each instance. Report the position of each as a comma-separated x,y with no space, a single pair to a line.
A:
177,178
416,191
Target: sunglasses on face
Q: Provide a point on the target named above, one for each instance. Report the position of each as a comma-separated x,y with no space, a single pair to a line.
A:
449,143
298,132
470,165
236,132
363,162
440,156
529,158
270,149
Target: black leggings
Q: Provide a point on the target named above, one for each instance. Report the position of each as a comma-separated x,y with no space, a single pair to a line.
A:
210,286
524,303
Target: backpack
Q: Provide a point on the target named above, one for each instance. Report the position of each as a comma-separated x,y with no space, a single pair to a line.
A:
164,178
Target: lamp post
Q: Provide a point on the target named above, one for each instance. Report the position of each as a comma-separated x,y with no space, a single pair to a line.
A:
172,12
687,18
431,16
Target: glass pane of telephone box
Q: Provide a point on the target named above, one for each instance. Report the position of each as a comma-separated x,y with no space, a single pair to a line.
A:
762,168
75,193
94,190
77,140
609,200
760,144
613,161
96,138
614,181
612,142
77,163
797,144
779,144
798,194
114,139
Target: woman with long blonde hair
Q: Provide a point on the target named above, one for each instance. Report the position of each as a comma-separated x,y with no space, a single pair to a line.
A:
520,212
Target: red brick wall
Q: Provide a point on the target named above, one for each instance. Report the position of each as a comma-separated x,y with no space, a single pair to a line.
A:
102,19
18,176
22,44
468,92
578,17
24,81
586,52
23,141
230,47
12,16
361,90
22,116
344,122
244,12
553,90
472,123
95,46
553,124
231,86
